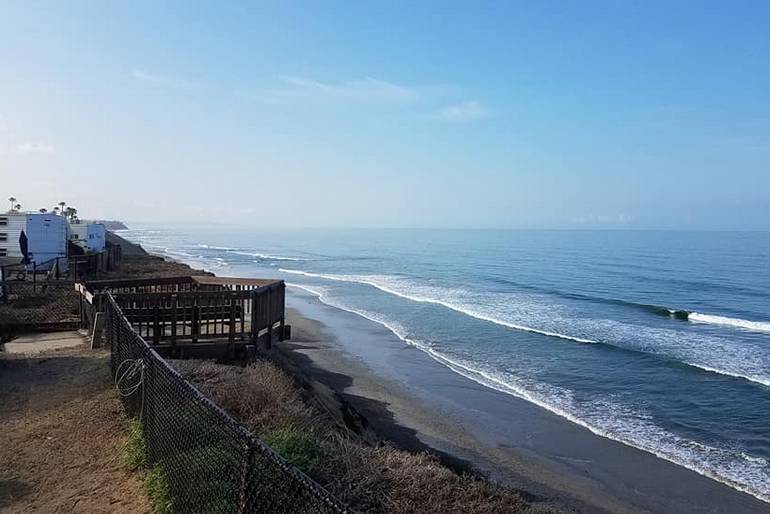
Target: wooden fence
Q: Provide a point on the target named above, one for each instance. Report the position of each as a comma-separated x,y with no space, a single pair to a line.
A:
88,265
60,268
180,313
142,285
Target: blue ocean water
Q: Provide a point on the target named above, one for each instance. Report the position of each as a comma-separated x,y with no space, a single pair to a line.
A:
660,340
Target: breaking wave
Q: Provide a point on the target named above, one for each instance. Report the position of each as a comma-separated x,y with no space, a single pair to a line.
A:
757,326
269,257
448,305
739,470
702,351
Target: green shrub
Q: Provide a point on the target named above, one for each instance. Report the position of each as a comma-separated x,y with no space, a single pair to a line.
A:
134,452
157,490
296,447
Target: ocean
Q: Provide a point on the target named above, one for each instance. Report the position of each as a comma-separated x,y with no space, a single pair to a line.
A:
659,340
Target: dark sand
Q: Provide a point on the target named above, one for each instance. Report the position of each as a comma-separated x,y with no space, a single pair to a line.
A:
411,399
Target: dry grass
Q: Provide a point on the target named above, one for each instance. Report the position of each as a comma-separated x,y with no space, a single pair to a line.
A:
260,395
367,478
386,479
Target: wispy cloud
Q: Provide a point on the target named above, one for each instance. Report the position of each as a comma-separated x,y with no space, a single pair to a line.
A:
364,91
43,148
470,110
161,80
369,91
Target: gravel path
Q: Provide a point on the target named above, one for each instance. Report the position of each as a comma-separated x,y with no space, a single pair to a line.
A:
62,430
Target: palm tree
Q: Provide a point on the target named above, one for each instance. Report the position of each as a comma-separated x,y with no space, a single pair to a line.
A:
61,205
56,210
70,212
13,202
43,210
18,206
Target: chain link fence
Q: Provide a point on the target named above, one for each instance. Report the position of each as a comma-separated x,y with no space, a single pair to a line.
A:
209,461
28,305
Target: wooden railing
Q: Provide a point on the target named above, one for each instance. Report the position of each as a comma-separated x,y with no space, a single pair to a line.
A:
179,312
142,285
89,265
76,266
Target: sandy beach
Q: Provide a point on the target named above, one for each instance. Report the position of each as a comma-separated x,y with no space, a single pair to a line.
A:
411,399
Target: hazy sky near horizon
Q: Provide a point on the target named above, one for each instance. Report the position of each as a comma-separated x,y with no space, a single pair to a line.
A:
616,114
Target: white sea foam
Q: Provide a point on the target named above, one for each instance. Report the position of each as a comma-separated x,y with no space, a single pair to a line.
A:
211,247
705,352
372,281
757,326
177,253
741,471
190,259
765,381
268,256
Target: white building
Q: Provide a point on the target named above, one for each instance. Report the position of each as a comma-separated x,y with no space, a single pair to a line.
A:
47,236
89,236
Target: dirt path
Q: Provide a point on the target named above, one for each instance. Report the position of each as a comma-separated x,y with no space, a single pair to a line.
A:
61,435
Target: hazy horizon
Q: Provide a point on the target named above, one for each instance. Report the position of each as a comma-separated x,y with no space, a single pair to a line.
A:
601,115
147,223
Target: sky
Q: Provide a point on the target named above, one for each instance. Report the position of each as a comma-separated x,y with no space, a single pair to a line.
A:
512,114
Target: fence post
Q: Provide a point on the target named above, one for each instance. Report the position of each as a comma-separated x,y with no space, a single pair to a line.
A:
282,300
196,317
233,310
254,329
156,324
243,495
269,318
80,309
107,321
147,414
175,302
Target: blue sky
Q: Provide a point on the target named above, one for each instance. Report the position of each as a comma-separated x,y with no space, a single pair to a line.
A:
616,114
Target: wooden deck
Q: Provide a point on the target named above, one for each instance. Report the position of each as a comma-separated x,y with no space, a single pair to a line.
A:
182,316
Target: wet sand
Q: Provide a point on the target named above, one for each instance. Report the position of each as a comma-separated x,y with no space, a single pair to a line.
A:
418,403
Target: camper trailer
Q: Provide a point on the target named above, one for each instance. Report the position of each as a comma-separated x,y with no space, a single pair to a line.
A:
89,236
46,234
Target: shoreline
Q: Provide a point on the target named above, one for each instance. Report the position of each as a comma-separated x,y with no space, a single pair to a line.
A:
405,396
393,415
538,451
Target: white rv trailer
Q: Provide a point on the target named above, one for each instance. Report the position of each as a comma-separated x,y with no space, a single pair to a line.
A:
89,236
47,236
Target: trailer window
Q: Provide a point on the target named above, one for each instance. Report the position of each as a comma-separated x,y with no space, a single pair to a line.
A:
3,252
3,236
3,221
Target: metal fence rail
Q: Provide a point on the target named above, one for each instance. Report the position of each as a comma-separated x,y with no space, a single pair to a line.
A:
211,462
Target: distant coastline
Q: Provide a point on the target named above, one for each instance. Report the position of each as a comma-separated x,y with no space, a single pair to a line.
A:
111,224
